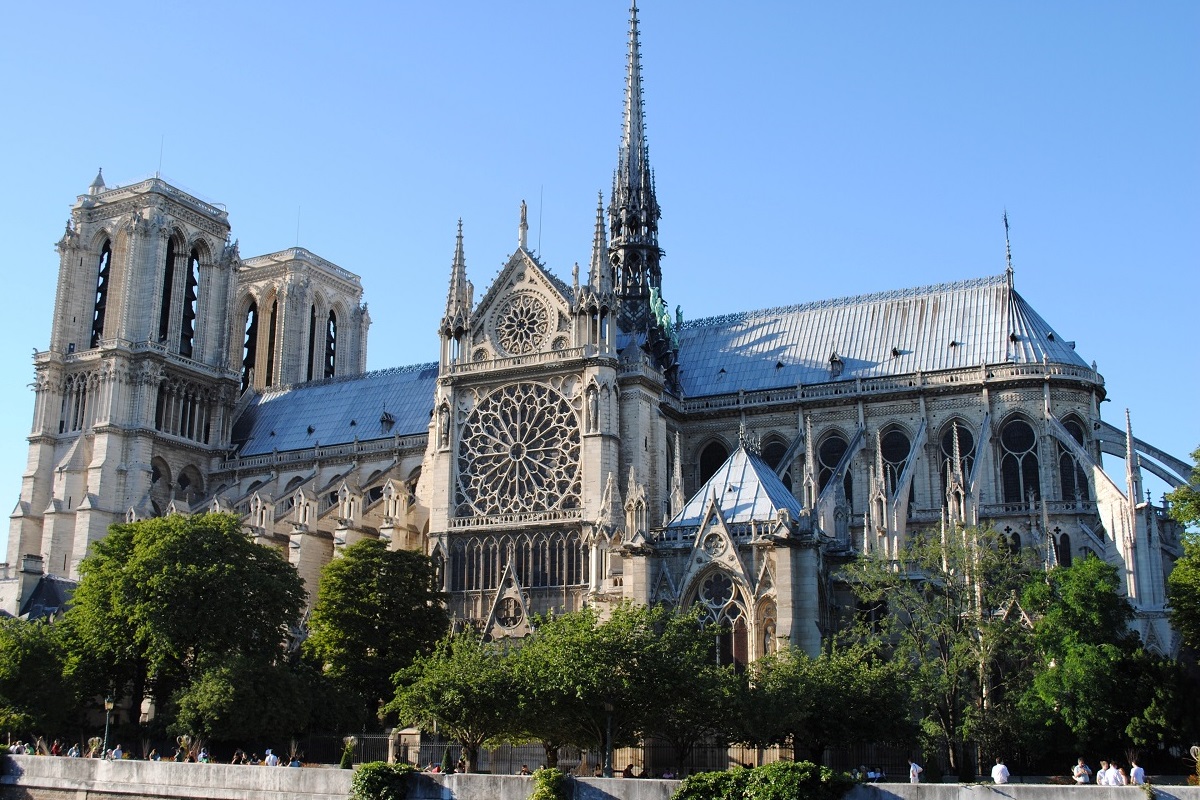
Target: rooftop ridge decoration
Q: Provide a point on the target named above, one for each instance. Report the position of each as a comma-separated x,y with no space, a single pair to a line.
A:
849,300
299,254
378,373
156,184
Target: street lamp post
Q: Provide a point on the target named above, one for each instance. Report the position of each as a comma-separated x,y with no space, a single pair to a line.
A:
608,744
108,707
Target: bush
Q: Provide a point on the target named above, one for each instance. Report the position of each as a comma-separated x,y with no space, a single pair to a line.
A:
730,785
347,761
783,780
549,783
380,780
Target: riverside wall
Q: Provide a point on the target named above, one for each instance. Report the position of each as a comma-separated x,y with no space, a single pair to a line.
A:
50,778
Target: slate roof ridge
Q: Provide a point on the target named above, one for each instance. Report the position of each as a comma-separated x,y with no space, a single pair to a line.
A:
376,373
849,300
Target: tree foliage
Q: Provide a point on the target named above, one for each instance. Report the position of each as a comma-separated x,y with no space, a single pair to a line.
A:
1183,592
464,687
843,697
163,603
1185,500
376,611
34,696
1094,687
640,671
947,608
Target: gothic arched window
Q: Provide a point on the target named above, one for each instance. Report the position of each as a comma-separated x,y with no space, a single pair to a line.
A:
330,345
829,454
103,269
1019,471
272,326
164,308
312,340
1071,475
711,458
773,452
191,299
893,450
957,429
249,345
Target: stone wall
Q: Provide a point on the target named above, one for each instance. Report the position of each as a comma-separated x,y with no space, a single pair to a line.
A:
48,778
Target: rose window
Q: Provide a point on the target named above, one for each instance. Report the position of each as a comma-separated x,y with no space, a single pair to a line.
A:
519,453
522,324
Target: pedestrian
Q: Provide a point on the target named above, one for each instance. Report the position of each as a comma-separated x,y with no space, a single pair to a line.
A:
118,753
1081,773
914,771
271,760
1102,773
1137,775
999,772
1111,776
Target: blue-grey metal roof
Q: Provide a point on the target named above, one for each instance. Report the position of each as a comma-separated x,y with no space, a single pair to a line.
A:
927,328
338,410
51,596
747,490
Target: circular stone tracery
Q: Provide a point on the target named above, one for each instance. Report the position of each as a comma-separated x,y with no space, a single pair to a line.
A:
522,324
519,453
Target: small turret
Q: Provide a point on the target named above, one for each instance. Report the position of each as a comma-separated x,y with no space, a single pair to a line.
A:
97,185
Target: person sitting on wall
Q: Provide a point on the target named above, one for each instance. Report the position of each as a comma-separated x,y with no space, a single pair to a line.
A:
627,772
524,770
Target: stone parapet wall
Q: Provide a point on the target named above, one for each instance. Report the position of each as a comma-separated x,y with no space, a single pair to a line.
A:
49,778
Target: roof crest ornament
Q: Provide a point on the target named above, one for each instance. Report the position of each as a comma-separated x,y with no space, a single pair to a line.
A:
1008,270
523,233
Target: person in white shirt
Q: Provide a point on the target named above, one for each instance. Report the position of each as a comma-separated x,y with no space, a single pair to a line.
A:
1111,776
999,772
271,760
1102,774
1137,775
914,771
1082,773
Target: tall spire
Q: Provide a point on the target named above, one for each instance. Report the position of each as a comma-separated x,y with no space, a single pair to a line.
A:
633,164
599,274
633,211
459,298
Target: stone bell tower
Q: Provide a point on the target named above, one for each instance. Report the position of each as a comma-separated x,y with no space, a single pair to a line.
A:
135,393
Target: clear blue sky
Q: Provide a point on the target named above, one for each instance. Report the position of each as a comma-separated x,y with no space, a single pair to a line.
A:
803,151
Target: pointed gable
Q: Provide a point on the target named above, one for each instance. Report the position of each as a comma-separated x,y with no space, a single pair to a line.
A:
747,490
526,310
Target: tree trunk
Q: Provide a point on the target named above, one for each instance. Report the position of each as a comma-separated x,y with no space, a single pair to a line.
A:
550,749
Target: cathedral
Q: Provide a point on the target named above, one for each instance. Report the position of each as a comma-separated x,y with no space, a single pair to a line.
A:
576,442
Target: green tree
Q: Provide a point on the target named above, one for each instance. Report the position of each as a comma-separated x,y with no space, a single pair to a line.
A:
244,697
843,697
34,696
1183,592
163,601
377,610
947,606
642,671
464,687
1185,500
1094,687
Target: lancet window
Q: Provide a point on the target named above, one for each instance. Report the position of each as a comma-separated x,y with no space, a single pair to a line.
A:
250,345
957,429
1071,475
103,271
1020,475
541,560
331,332
773,451
893,450
312,340
74,413
191,298
272,325
711,458
829,454
164,308
720,603
184,409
